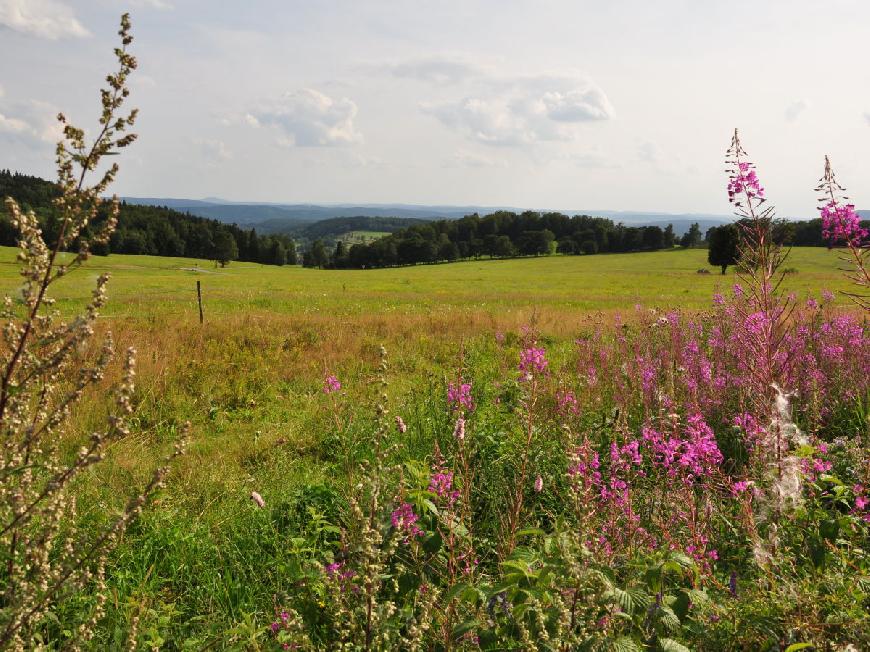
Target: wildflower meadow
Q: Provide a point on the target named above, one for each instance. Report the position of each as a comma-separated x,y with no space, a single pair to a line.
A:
692,476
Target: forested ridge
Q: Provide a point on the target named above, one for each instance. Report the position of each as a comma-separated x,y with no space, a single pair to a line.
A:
151,230
506,234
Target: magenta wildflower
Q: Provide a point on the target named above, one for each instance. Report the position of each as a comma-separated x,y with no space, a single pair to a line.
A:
567,403
539,484
331,384
405,520
459,396
739,487
532,361
441,484
744,181
841,223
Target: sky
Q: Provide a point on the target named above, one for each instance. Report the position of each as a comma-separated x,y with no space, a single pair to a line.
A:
619,105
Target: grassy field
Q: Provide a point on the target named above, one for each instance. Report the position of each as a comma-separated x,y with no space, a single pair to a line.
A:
250,382
558,286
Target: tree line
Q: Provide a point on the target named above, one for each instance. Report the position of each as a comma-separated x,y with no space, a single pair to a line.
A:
724,242
151,230
505,234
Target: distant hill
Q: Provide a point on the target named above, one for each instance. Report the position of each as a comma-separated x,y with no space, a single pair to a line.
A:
157,230
284,217
288,218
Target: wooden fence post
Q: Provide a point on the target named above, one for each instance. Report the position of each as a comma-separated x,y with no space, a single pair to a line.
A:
199,300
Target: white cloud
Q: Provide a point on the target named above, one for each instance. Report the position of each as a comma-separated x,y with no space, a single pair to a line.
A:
153,4
867,117
43,18
9,125
438,70
467,159
33,122
214,150
525,111
578,105
308,118
793,110
649,152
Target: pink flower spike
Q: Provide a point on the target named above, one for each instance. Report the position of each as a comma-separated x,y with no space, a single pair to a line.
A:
331,384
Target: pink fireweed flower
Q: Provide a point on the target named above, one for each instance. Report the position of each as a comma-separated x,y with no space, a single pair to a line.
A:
459,396
539,484
331,384
744,181
441,484
840,223
459,429
405,520
400,425
567,403
739,487
532,361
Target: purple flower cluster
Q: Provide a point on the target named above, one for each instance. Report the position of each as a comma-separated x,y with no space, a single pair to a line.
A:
441,484
841,223
337,570
566,402
862,503
405,520
692,457
459,396
331,384
532,361
744,181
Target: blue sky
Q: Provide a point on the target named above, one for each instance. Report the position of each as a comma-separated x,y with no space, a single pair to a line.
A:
587,105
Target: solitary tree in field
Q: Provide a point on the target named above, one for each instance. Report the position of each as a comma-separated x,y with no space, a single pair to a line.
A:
225,248
724,246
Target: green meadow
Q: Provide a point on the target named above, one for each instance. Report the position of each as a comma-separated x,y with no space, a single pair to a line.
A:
203,566
565,285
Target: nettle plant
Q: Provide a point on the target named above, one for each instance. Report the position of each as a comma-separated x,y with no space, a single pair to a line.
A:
683,480
46,366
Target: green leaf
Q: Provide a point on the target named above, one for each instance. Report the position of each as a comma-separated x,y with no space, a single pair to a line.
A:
794,647
455,591
625,644
464,627
621,597
670,645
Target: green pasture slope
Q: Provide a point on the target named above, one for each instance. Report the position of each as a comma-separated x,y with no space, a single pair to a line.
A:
667,279
203,566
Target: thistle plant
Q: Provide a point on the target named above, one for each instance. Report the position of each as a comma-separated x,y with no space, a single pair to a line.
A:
841,224
44,373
